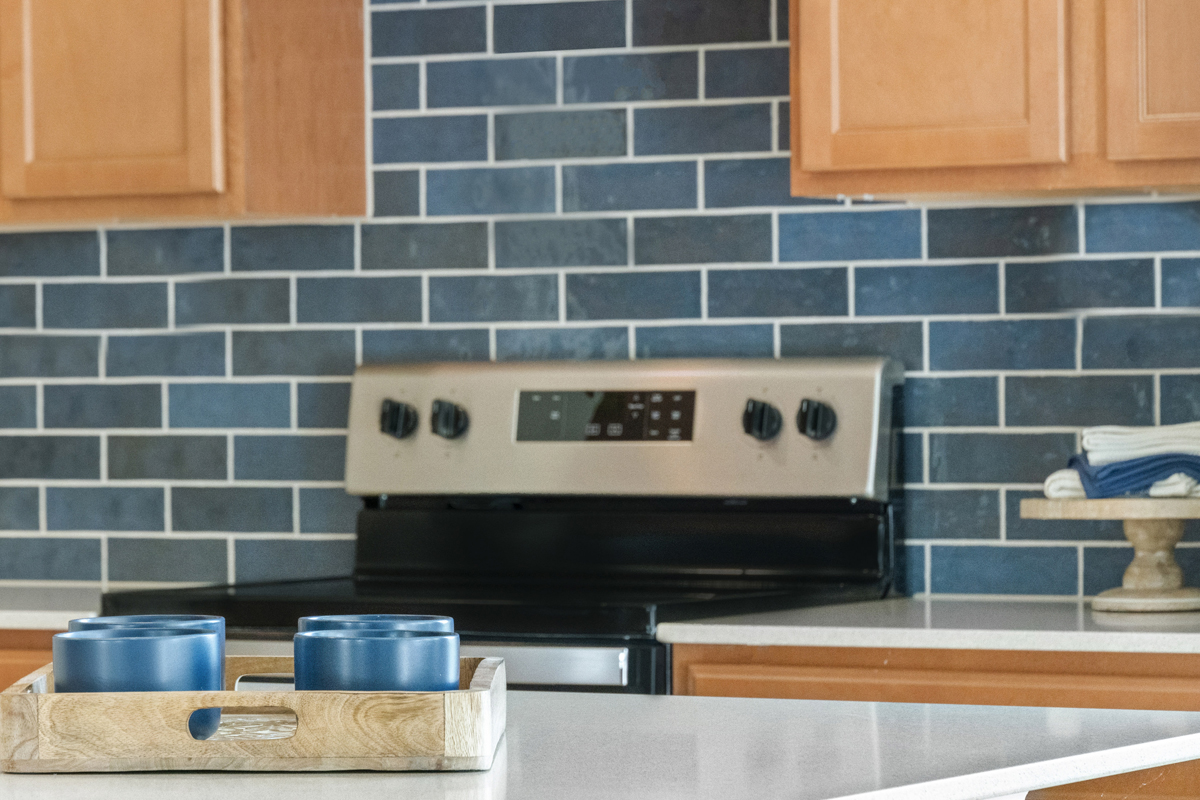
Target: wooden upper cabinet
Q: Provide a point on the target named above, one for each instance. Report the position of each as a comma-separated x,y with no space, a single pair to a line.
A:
931,83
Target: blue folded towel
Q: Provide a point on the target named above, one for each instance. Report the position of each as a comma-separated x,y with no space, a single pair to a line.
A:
1134,476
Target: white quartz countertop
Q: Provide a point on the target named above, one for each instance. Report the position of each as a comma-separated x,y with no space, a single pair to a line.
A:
951,624
611,747
45,607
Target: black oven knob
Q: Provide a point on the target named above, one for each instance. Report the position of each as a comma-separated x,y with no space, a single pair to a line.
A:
816,420
397,419
761,420
449,420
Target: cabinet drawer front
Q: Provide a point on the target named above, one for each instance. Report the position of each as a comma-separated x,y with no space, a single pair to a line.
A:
930,83
110,97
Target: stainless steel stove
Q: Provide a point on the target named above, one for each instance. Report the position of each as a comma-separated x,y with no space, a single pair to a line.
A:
560,511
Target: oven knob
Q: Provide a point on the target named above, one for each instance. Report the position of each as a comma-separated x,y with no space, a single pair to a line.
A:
761,420
397,419
816,420
449,420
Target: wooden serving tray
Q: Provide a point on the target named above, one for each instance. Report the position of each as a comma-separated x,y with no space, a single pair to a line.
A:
41,731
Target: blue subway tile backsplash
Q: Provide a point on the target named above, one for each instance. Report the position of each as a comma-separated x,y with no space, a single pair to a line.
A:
1003,231
620,78
559,26
629,187
699,129
560,134
503,82
174,354
1061,285
677,22
1132,227
562,243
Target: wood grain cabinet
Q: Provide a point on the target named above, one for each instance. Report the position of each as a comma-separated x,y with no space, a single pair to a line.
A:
972,96
165,108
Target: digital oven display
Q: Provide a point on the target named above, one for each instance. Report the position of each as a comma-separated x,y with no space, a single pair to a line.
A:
640,416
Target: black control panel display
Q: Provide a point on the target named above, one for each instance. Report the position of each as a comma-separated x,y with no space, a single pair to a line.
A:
650,416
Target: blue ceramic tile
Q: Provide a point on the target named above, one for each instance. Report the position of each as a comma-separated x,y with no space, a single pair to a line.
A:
230,405
558,26
900,340
958,289
746,73
1181,282
260,560
104,508
19,508
289,458
18,306
1005,570
323,405
232,300
1062,285
702,240
702,129
912,458
497,82
1103,567
34,356
936,402
752,182
293,352
544,344
1129,227
292,247
493,298
645,76
235,509
18,407
428,31
167,560
950,514
521,190
358,299
328,511
1006,231
782,30
169,251
847,236
50,559
997,457
1079,401
446,245
777,293
402,140
170,354
395,86
1064,530
1139,342
129,405
46,254
560,134
1180,398
1003,344
629,187
167,458
562,243
784,127
910,562
397,193
104,305
50,457
642,295
390,347
706,341
667,22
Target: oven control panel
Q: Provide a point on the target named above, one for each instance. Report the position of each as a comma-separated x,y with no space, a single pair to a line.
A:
648,415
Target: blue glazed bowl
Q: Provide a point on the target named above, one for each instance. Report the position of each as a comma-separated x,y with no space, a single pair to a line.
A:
377,661
142,660
385,622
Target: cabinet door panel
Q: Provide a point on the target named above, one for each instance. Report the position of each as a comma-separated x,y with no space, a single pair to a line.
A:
110,97
931,83
1153,79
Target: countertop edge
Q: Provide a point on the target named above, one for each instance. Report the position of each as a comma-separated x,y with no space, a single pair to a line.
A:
40,620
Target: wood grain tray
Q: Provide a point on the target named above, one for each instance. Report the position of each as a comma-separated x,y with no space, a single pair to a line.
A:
41,731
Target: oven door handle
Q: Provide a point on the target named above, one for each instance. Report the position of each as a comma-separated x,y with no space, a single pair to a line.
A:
554,665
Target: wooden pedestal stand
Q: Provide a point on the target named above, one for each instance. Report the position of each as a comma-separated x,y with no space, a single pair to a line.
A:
1153,581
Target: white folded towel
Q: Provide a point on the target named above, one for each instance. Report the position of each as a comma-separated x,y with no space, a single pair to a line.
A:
1065,485
1107,444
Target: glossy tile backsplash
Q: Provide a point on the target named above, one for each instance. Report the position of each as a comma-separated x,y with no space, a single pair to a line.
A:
592,179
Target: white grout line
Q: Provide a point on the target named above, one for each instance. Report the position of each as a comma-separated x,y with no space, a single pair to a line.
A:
1158,297
1157,395
369,100
231,550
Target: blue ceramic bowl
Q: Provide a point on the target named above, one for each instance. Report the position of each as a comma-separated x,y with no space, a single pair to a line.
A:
383,622
377,661
142,660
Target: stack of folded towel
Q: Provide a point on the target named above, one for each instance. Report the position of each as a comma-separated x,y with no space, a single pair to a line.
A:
1124,461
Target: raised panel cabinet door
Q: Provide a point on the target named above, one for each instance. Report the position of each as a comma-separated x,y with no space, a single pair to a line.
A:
110,97
895,84
1153,79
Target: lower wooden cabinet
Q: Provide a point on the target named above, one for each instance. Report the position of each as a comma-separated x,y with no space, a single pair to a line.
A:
975,677
22,652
